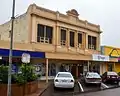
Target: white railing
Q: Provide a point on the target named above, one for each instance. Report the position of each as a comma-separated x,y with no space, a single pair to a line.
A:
91,46
44,40
79,45
63,42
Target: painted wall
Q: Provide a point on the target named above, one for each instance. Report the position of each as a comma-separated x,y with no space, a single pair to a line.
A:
117,67
25,32
20,30
115,52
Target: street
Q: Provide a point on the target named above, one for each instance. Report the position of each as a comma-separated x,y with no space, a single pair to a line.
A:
109,92
81,88
66,92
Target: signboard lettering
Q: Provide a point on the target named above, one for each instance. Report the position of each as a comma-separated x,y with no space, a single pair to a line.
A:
98,57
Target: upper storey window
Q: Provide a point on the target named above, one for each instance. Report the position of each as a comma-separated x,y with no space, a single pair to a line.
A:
63,37
92,42
44,34
79,40
72,39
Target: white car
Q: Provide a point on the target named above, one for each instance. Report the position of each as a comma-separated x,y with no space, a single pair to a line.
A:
64,80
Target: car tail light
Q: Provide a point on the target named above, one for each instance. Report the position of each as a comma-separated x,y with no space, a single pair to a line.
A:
72,81
56,80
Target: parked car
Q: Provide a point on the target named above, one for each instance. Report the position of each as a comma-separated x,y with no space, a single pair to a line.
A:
92,78
110,77
119,76
64,80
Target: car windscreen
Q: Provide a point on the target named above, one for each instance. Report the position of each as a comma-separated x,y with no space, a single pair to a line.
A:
93,75
64,75
111,73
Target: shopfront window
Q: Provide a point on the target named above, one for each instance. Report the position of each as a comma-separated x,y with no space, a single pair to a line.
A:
110,67
41,69
95,67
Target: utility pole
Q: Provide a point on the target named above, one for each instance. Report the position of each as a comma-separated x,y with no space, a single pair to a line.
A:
10,51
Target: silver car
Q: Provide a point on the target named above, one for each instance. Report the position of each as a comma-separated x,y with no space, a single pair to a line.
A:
92,78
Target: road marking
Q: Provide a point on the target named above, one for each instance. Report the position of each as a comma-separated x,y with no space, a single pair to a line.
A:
80,86
104,85
119,84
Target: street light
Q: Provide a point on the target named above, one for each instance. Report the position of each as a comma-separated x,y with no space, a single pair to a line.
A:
10,52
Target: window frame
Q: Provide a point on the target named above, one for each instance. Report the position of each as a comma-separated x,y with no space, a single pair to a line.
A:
91,45
44,39
73,38
63,42
80,44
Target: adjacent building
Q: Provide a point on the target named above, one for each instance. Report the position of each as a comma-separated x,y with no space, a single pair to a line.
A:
114,54
62,42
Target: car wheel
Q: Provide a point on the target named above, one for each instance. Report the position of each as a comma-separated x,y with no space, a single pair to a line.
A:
99,85
117,82
55,88
104,81
86,84
72,89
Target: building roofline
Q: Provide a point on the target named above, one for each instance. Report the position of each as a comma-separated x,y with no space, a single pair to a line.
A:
55,12
20,16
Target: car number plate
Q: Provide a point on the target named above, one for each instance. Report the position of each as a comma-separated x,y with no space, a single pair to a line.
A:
64,80
113,77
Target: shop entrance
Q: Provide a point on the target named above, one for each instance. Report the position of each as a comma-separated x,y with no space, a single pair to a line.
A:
80,70
73,71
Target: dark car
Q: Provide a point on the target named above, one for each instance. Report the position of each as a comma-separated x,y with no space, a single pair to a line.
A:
119,75
110,77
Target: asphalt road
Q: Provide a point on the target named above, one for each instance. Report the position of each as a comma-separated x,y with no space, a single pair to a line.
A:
109,92
77,89
66,92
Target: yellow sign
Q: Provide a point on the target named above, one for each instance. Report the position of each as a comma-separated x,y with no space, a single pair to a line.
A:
111,51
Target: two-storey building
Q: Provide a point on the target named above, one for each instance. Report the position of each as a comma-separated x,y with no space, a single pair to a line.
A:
67,43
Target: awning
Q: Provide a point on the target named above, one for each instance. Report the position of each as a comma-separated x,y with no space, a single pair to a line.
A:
18,53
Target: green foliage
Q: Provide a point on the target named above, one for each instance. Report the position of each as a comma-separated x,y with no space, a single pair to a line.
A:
19,79
4,73
26,75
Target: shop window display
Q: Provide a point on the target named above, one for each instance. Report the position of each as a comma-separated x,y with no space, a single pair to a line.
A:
42,69
110,67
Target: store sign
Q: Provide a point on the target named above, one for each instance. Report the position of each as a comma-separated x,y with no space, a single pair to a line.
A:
119,59
97,57
25,58
14,68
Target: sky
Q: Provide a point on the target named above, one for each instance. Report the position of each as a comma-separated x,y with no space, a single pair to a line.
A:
105,13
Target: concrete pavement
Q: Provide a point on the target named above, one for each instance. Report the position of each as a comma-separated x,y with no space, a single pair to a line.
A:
109,92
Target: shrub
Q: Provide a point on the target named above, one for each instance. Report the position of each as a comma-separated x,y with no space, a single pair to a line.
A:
26,75
4,74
